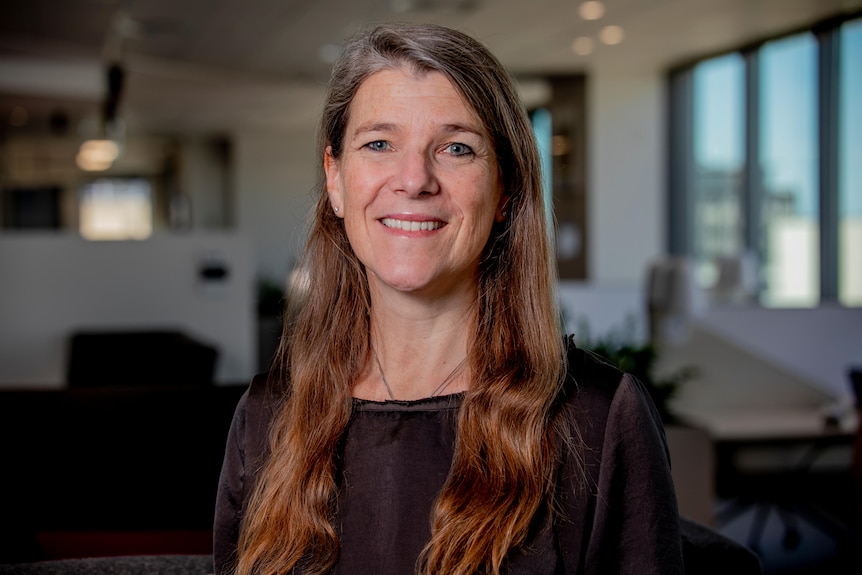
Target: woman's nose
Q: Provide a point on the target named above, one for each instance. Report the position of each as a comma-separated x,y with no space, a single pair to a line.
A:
416,175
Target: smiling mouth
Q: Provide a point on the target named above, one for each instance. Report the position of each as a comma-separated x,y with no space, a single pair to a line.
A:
410,226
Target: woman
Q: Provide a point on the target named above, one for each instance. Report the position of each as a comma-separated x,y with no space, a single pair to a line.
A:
425,413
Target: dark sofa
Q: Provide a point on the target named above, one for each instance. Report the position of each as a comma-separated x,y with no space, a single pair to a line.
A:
111,470
137,565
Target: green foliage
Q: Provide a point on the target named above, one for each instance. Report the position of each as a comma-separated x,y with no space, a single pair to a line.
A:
620,348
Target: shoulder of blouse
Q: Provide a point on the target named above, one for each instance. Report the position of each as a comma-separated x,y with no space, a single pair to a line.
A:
589,376
263,397
594,389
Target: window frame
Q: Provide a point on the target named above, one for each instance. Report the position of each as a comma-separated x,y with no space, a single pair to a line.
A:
680,235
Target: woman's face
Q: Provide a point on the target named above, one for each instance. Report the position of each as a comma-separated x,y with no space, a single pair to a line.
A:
417,184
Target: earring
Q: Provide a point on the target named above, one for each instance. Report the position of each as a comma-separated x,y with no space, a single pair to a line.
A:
336,209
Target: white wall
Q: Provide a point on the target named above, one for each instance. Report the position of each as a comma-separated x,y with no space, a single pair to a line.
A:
626,179
592,311
274,182
53,284
204,183
625,203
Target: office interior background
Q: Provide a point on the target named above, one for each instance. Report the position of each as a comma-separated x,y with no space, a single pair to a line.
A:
703,168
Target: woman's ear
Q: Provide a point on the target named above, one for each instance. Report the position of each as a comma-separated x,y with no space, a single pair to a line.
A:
333,182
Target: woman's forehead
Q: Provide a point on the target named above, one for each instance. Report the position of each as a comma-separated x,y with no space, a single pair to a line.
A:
399,94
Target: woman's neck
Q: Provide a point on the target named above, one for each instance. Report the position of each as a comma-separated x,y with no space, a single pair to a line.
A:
418,349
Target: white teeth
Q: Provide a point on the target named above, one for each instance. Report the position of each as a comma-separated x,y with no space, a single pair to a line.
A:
411,226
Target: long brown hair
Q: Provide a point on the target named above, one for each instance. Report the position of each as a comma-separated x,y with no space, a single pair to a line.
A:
506,450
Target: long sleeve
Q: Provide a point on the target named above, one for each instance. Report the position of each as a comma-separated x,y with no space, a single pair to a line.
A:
229,498
636,524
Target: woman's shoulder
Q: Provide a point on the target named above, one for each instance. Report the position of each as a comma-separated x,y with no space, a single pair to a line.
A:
588,374
598,395
594,387
256,410
264,391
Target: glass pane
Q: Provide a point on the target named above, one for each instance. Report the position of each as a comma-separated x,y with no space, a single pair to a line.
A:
850,176
719,159
116,209
543,130
788,155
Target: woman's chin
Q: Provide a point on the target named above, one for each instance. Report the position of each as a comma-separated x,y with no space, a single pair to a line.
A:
421,285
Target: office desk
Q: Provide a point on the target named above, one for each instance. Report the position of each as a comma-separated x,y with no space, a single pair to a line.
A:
787,462
771,424
752,443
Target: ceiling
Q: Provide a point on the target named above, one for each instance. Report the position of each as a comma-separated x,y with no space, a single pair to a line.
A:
219,65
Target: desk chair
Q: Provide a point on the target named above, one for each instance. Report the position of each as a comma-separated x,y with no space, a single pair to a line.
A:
792,495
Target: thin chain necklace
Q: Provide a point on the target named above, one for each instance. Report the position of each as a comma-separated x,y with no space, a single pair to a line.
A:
449,378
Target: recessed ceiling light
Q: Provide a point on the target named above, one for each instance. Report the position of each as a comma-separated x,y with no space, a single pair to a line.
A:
611,35
591,10
583,46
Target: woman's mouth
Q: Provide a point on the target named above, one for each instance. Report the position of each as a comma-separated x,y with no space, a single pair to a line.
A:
412,226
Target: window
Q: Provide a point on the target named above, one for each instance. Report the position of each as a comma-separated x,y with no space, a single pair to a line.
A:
719,159
850,167
789,207
543,130
116,209
764,145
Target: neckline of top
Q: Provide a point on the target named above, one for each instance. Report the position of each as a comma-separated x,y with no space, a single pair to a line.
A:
438,402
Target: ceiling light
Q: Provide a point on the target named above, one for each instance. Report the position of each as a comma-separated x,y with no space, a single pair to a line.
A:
583,46
592,10
97,155
612,35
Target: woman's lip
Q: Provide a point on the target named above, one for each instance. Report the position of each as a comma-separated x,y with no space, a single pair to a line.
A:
412,223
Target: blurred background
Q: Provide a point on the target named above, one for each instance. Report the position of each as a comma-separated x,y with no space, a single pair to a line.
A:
703,164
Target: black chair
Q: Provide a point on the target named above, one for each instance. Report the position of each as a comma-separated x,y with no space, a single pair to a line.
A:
708,552
803,495
139,358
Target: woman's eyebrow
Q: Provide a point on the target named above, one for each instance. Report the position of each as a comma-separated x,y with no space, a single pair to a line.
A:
374,127
455,128
391,127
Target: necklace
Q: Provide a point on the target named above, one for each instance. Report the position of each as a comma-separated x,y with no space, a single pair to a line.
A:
449,378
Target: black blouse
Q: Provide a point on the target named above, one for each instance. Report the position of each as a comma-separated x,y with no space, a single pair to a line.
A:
619,511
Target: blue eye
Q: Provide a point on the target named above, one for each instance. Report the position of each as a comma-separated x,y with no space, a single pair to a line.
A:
378,145
458,149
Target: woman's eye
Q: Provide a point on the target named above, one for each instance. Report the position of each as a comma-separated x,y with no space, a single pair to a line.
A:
378,145
457,149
